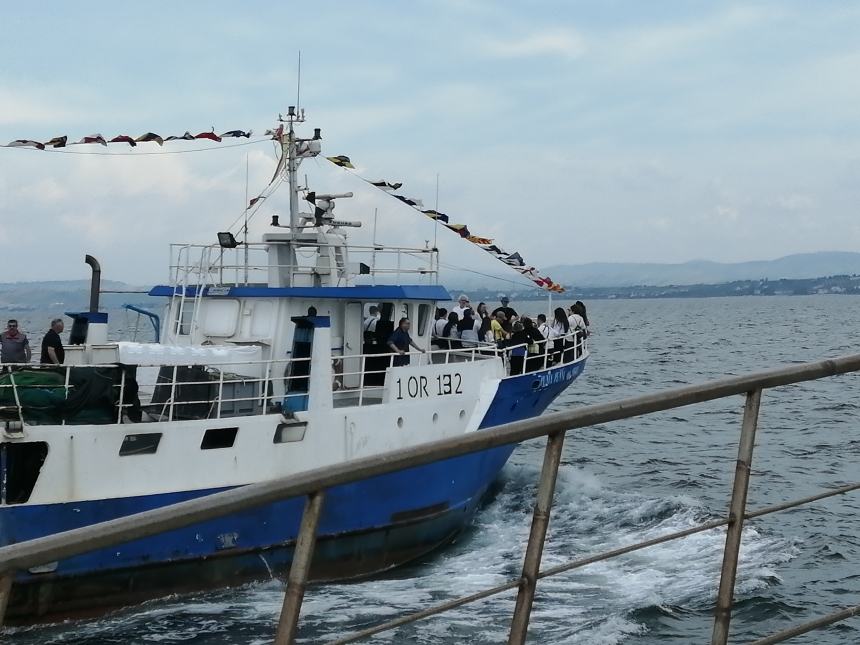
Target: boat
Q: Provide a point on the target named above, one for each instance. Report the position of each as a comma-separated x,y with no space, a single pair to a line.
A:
263,367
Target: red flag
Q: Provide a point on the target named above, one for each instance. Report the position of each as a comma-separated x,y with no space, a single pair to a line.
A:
276,134
208,135
123,138
255,200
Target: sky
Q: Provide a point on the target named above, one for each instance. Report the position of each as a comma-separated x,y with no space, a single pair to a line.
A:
569,131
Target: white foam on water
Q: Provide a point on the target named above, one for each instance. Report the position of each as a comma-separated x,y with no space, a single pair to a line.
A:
594,604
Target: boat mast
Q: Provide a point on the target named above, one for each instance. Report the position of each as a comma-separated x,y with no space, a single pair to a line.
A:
288,147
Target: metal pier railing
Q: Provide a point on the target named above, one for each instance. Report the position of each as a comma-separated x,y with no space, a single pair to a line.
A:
313,485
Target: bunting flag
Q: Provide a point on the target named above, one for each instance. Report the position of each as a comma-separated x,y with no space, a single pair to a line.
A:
63,141
150,136
459,229
432,214
57,142
255,200
417,203
474,239
512,259
208,135
25,143
387,185
124,138
276,134
93,138
342,161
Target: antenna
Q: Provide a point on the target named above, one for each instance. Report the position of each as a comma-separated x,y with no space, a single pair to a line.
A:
436,208
436,232
299,83
246,218
373,257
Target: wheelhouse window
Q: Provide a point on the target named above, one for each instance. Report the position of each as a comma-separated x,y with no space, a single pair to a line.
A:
423,317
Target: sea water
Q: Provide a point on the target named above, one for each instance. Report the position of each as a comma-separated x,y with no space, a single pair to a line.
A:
619,483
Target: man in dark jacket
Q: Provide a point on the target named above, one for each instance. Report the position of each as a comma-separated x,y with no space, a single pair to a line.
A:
52,346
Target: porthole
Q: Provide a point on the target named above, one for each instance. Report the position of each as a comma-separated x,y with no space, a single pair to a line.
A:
140,444
435,417
462,414
218,438
399,422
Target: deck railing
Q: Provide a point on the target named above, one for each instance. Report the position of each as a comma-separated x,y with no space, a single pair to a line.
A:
211,265
555,426
277,386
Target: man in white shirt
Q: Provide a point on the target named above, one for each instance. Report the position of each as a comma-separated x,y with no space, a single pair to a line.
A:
461,306
542,325
370,323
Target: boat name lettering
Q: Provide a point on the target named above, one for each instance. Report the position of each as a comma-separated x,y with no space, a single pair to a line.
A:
218,291
557,376
422,387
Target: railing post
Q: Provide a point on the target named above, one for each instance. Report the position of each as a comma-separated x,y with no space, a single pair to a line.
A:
537,537
121,394
737,510
296,583
172,395
5,592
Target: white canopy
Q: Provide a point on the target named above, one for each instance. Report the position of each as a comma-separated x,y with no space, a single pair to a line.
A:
240,359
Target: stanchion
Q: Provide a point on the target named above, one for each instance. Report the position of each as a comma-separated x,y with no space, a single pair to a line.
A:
737,510
289,621
537,537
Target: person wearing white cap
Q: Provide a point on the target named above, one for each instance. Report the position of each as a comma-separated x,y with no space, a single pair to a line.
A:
461,306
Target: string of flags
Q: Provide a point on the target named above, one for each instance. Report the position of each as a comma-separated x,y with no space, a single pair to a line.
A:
63,141
513,260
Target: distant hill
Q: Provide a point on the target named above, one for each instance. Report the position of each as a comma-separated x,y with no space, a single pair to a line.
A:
623,274
65,295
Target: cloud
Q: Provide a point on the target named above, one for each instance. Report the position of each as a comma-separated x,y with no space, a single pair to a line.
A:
31,106
564,43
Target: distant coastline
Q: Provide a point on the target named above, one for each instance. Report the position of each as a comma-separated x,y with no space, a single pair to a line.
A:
828,285
74,295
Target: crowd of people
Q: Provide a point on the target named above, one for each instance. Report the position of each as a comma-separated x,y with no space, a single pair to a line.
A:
531,343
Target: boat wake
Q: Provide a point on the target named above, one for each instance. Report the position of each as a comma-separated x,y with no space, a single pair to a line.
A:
617,601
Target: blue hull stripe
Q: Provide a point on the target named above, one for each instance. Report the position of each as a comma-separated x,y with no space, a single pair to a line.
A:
364,506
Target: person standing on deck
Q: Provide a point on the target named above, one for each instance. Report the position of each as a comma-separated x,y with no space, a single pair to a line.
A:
400,341
461,306
439,328
510,312
14,346
519,347
468,328
497,326
52,346
370,322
